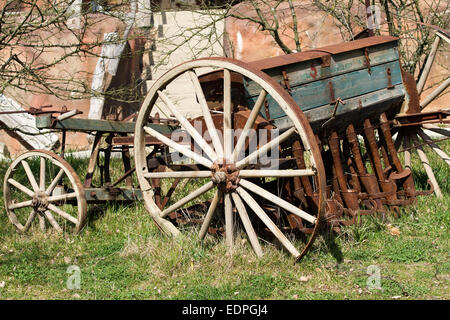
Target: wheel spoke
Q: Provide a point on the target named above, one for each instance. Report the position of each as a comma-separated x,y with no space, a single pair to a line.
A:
249,124
42,175
52,221
210,214
181,149
20,205
227,118
267,221
435,93
276,200
434,146
229,227
188,127
29,220
62,213
436,129
206,114
426,165
30,175
205,188
42,223
178,174
54,182
247,224
426,69
62,197
263,150
275,173
21,187
407,143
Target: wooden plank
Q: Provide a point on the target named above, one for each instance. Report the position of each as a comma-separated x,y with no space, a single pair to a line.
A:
90,125
334,49
113,194
372,103
311,70
346,86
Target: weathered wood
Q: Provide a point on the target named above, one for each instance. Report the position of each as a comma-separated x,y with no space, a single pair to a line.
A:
92,125
428,64
54,182
21,187
267,221
275,173
426,165
188,127
42,175
197,193
47,198
206,114
227,115
229,221
178,147
30,175
113,194
434,146
274,143
21,205
311,70
52,221
247,224
177,174
435,93
354,110
249,123
441,131
209,215
62,213
357,83
277,200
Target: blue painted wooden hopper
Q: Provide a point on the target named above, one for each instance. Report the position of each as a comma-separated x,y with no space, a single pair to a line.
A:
337,85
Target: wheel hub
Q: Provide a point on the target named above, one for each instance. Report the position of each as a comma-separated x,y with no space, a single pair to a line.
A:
40,201
225,176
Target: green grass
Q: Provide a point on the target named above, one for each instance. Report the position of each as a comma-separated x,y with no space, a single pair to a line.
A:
122,255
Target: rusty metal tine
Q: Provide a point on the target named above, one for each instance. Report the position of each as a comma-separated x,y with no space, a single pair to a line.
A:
354,181
336,154
408,184
370,135
384,125
354,146
335,186
298,151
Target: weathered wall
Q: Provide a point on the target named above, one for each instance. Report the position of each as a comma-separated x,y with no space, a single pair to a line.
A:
246,41
76,74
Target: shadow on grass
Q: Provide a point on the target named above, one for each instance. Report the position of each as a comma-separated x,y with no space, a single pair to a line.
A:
332,246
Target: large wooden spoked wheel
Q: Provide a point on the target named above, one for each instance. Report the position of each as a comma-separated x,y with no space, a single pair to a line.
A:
414,137
40,185
230,179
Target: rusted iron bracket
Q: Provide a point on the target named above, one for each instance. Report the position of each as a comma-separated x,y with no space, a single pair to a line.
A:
287,85
367,62
336,104
389,77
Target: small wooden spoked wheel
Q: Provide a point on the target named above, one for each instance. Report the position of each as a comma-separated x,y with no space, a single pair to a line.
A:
40,185
225,169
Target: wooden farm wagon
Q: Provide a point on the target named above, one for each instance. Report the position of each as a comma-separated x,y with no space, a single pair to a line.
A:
284,146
